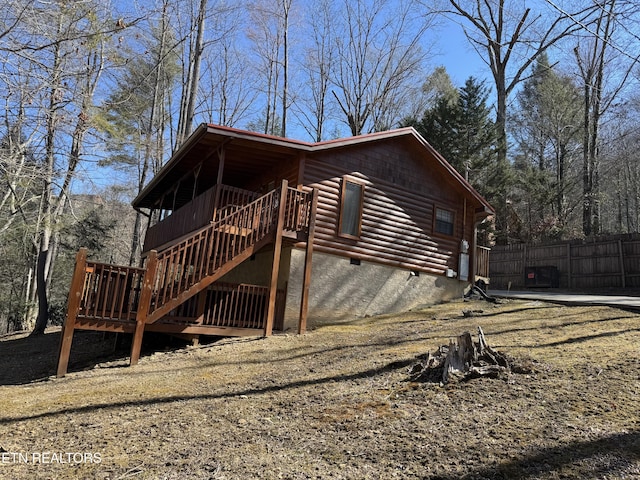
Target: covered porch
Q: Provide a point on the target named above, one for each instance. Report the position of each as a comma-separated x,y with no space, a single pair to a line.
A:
178,290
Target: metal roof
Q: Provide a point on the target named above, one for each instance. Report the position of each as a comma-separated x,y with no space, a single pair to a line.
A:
249,154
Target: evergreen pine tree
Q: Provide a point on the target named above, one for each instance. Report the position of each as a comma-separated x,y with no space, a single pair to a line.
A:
546,132
461,130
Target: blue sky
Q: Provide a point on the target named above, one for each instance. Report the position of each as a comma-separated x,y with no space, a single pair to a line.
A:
457,56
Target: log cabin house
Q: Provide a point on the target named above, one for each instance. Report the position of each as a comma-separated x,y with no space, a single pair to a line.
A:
255,233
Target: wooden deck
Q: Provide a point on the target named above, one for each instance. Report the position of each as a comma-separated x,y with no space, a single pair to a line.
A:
176,291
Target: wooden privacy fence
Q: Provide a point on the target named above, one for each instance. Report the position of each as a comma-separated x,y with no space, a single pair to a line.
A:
605,262
482,261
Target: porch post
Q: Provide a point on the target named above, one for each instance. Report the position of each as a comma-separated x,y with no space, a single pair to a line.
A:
275,267
217,193
304,302
144,305
221,156
73,305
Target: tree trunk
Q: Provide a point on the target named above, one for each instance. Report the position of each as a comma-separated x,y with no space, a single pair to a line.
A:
190,89
286,6
43,301
472,360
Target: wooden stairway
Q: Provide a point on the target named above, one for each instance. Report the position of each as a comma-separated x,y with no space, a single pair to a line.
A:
127,299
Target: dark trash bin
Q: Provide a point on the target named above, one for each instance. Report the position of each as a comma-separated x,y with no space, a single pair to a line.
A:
545,276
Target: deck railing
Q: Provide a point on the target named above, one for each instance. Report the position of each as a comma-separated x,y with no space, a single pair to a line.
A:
228,305
186,263
110,292
191,216
482,261
114,292
242,306
210,205
231,199
129,299
298,210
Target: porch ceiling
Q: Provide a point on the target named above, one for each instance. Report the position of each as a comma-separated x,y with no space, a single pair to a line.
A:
246,157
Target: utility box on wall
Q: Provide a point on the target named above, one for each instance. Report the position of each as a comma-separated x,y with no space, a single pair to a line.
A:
464,267
463,264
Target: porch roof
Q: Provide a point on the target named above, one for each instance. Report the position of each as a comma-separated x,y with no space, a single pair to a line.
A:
248,154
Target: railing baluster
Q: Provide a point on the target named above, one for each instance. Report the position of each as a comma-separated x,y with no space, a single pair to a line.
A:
215,302
113,292
108,291
234,310
116,293
224,307
252,298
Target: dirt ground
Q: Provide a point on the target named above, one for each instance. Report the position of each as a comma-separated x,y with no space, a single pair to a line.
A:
336,403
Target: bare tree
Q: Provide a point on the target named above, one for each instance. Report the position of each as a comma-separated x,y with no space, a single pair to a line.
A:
195,50
53,55
269,34
18,171
136,110
285,11
594,55
74,75
509,37
229,94
378,55
313,102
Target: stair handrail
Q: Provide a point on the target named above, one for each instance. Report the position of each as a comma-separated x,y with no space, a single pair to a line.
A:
248,227
187,262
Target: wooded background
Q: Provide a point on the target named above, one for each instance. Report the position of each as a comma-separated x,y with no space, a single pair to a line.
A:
97,94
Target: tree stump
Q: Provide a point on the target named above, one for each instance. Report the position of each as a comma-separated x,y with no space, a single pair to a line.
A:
463,358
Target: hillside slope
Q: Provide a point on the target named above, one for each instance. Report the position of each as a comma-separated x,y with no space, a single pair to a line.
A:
339,402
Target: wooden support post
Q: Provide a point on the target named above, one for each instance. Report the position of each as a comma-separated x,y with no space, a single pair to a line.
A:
308,257
221,158
202,303
218,193
302,160
144,305
73,305
275,267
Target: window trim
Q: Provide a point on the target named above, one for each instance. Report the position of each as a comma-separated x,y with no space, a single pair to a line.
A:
435,221
343,186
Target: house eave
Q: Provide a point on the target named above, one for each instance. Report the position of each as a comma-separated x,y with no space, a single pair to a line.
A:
195,137
287,146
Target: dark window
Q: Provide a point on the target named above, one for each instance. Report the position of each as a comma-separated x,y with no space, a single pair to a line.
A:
444,221
352,197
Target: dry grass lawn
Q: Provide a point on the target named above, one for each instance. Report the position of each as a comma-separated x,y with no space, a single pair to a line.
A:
335,403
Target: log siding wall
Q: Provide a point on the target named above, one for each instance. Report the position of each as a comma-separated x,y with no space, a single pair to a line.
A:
399,199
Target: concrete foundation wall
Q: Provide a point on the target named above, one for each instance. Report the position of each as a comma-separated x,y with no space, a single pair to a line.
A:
341,291
257,271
